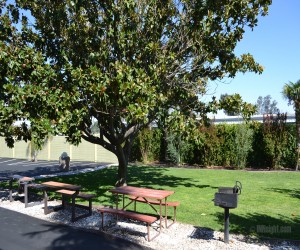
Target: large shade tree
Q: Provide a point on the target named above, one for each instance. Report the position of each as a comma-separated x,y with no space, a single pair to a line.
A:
291,91
68,63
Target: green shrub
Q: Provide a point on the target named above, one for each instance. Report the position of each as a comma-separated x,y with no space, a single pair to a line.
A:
289,152
226,134
146,146
275,139
179,151
243,144
256,145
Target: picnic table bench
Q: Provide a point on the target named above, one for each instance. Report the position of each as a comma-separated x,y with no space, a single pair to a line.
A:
131,215
151,202
24,184
21,181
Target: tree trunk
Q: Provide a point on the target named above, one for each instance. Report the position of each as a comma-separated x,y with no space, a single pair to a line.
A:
122,172
164,135
123,154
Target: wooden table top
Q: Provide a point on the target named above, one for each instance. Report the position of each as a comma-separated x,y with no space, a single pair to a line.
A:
142,192
61,185
21,178
25,178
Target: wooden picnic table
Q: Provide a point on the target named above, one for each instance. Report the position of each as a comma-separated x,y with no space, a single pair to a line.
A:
71,191
57,185
144,193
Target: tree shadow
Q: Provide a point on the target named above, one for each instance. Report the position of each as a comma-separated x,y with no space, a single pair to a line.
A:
100,182
262,225
294,193
203,233
149,176
97,182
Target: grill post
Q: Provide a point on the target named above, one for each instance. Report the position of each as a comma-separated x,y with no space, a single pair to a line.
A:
226,225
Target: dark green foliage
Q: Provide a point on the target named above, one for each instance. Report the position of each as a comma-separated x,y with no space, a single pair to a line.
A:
173,149
243,144
257,158
291,93
146,146
205,152
178,149
289,156
227,133
267,145
275,139
217,147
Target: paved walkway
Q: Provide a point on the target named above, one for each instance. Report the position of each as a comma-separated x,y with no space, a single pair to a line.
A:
11,166
19,232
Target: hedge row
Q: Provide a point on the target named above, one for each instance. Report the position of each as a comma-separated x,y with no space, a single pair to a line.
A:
255,145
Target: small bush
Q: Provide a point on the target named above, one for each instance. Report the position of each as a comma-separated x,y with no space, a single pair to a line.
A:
243,144
146,146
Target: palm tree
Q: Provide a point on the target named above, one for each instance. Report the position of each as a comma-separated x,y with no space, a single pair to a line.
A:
291,92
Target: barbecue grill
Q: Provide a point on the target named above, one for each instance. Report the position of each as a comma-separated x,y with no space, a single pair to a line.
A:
227,198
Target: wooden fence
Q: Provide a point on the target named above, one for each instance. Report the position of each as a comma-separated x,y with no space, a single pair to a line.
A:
53,149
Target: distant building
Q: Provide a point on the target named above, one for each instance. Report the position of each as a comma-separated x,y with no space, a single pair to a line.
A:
239,119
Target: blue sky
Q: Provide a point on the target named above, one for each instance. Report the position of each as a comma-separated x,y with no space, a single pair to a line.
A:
275,44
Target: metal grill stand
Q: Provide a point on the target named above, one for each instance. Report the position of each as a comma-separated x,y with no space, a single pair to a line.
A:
226,224
227,198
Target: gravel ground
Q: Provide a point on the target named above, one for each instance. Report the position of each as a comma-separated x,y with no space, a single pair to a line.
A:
178,236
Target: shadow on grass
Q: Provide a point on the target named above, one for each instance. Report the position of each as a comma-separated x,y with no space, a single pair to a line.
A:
100,182
97,182
149,176
262,225
294,193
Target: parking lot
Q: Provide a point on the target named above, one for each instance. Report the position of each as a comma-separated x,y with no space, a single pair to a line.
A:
11,166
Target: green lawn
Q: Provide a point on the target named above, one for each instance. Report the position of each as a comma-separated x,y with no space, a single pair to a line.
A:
269,205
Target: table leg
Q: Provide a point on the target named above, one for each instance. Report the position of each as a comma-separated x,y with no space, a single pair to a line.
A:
160,214
117,201
46,210
117,204
73,208
10,190
166,213
63,201
26,194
